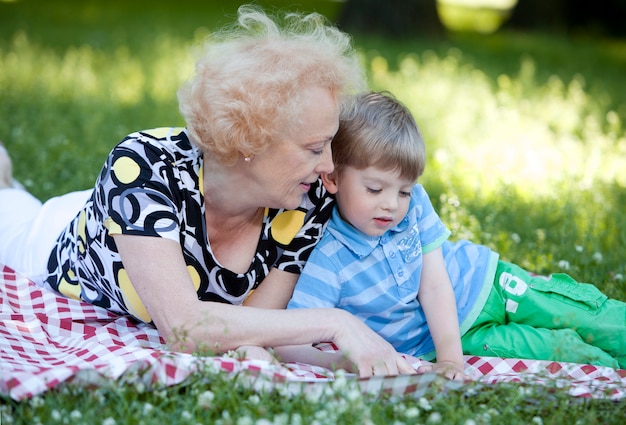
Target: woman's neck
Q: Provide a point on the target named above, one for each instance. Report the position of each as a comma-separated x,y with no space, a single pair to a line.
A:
228,200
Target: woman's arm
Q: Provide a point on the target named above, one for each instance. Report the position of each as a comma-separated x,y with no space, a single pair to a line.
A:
275,291
437,299
159,275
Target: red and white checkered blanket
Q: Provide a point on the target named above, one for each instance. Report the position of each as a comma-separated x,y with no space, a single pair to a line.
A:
46,340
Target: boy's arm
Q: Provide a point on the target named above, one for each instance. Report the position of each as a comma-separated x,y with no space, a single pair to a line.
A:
437,299
313,356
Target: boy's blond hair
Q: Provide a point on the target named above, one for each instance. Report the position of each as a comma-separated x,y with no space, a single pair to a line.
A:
378,130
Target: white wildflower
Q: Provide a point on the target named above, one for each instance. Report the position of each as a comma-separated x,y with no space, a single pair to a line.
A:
37,402
470,422
424,404
245,420
412,412
399,408
516,238
109,421
321,416
525,391
211,367
55,415
493,412
186,415
75,415
340,382
537,420
484,417
471,392
619,277
578,248
564,264
597,257
434,418
205,399
353,395
296,419
147,408
284,419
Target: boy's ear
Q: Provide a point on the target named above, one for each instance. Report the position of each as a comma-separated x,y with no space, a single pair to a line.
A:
330,182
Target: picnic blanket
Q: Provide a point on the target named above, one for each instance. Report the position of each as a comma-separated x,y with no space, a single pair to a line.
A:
47,339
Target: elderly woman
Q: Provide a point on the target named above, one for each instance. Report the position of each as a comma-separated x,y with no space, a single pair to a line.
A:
203,231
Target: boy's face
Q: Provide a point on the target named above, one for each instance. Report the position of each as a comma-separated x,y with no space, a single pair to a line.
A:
372,200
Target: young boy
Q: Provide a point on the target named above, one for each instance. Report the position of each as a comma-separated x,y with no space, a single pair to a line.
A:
385,258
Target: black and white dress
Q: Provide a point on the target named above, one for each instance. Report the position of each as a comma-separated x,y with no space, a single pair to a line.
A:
151,185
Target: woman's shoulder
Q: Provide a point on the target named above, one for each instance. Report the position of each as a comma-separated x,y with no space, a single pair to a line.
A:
171,143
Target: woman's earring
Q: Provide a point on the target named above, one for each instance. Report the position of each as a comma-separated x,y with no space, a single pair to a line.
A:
247,159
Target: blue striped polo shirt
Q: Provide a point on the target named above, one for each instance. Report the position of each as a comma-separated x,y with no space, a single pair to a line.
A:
377,278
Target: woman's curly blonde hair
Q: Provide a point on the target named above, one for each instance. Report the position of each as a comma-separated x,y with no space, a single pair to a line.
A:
249,83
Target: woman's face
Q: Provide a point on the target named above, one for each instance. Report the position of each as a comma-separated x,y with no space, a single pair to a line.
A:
285,171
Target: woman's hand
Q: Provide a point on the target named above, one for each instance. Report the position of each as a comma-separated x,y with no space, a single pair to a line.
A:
371,354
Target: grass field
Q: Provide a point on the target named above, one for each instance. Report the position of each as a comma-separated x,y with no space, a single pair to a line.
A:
526,137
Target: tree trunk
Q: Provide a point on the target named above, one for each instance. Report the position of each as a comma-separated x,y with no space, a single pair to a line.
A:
605,17
393,18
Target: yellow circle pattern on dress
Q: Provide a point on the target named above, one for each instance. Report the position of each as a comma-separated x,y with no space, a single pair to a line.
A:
112,227
286,225
70,290
82,231
162,132
195,276
131,298
201,179
126,169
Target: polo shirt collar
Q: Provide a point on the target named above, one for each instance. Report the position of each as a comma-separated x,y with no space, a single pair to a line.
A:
358,242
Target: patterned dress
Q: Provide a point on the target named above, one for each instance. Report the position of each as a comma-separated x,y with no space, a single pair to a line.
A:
151,185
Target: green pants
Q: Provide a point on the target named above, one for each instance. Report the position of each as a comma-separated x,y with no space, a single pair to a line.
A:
548,318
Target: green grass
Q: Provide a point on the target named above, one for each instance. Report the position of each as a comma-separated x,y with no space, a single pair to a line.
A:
211,399
526,142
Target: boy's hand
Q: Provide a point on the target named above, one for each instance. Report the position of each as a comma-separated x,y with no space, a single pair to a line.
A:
448,369
253,352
